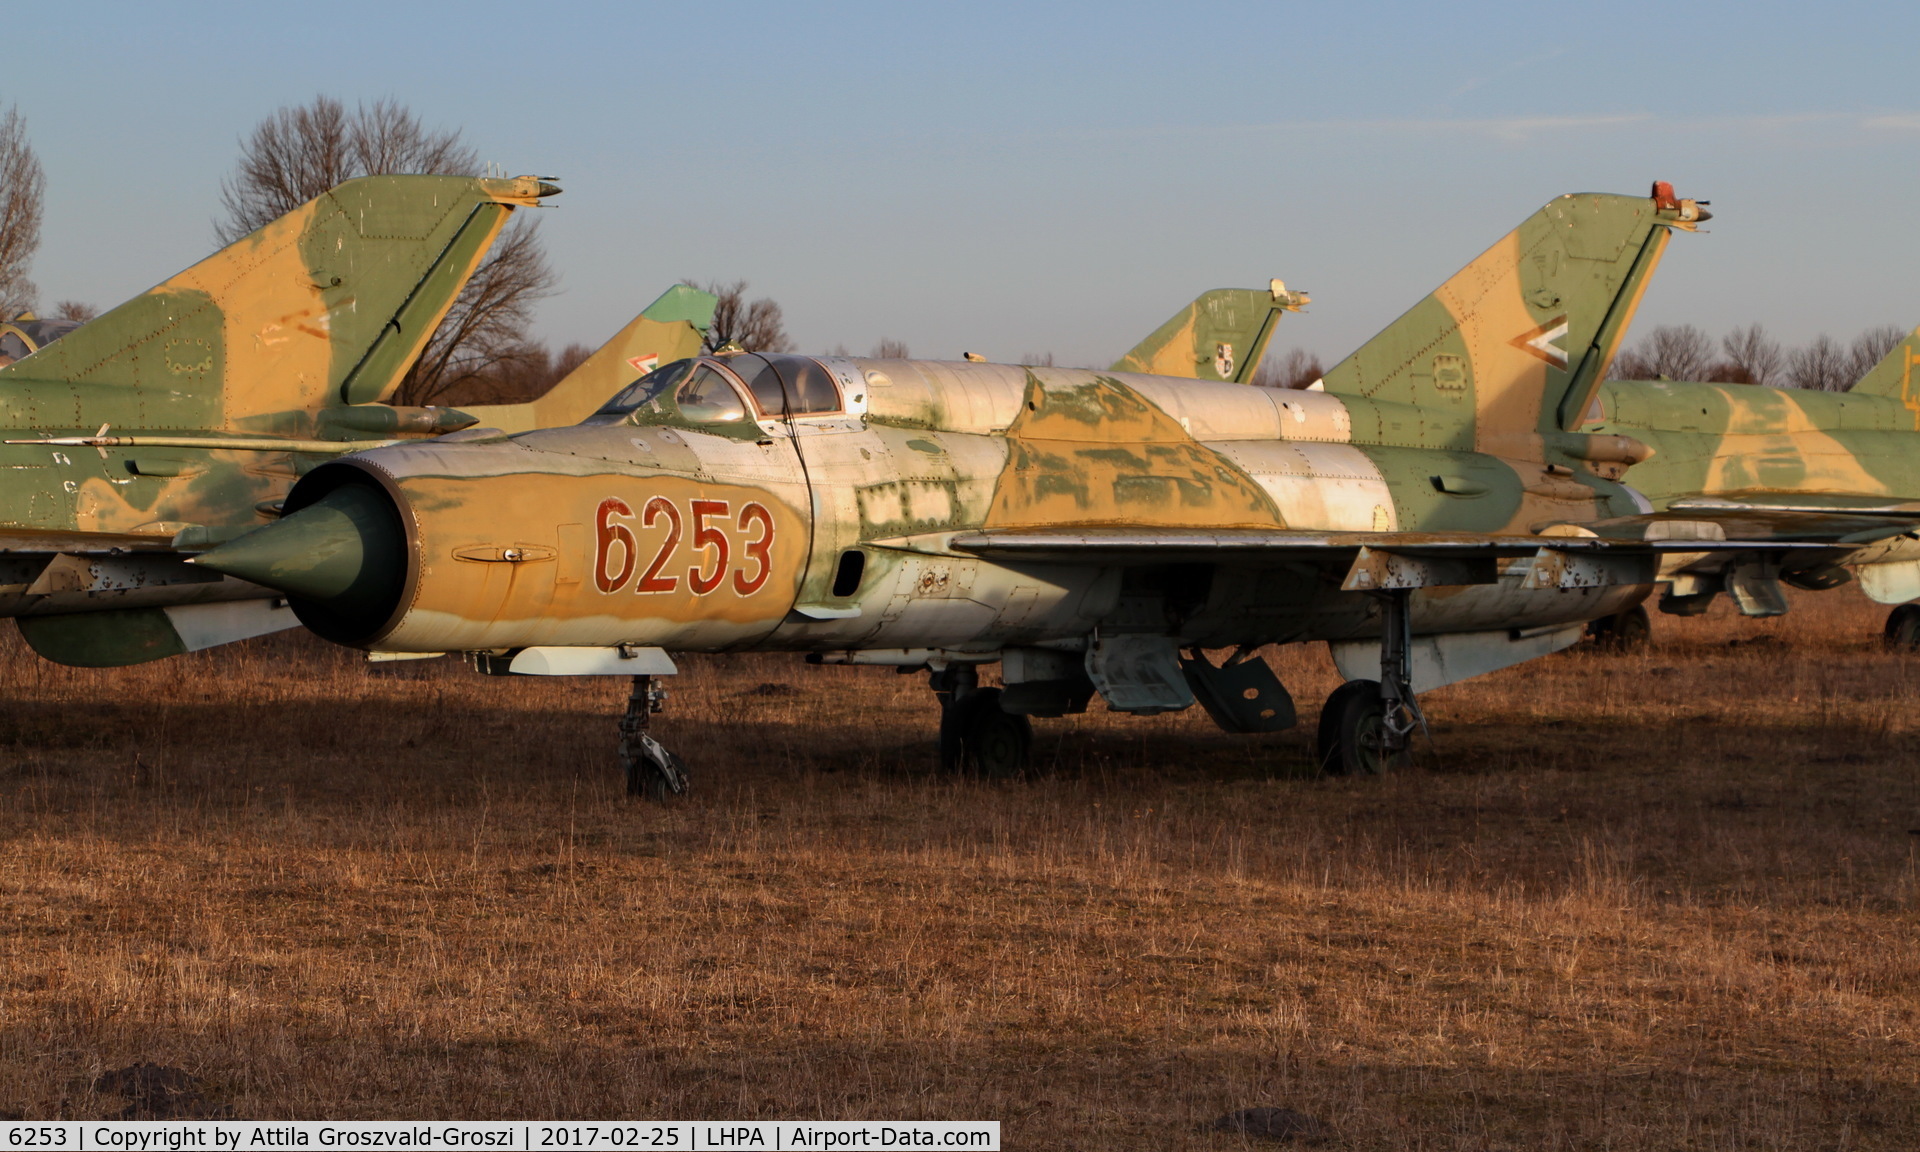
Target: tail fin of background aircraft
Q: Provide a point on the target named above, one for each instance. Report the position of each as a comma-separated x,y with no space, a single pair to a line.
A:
328,305
1896,375
670,329
1516,343
1222,335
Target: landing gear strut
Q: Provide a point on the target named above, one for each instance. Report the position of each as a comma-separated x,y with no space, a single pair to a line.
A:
1367,726
651,770
976,735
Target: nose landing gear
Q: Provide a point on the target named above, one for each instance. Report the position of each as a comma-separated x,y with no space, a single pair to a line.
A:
651,770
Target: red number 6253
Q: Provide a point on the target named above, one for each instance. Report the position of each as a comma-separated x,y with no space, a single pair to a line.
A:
617,547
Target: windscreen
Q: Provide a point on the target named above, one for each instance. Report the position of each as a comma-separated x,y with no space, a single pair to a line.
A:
646,388
708,397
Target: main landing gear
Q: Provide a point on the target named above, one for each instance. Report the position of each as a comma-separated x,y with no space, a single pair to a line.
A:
1629,631
1903,627
651,770
1367,726
977,736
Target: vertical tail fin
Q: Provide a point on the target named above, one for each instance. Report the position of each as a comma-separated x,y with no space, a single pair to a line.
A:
1896,376
671,328
1222,335
1516,344
329,304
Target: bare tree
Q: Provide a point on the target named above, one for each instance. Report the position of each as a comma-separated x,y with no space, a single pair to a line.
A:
1675,352
297,153
74,310
1823,365
485,330
1037,360
1297,369
570,357
889,349
21,185
1869,348
1750,356
527,374
752,327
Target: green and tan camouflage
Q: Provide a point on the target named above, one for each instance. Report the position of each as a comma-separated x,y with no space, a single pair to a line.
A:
185,415
1788,464
1222,335
1424,513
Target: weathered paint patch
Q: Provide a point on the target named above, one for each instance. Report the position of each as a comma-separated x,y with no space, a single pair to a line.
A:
1095,452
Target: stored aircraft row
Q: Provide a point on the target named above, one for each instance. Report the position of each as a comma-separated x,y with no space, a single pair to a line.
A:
1452,498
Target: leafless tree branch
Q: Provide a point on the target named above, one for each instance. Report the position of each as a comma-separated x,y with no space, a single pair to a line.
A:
22,184
1676,352
754,327
1821,365
1297,369
1752,357
1869,348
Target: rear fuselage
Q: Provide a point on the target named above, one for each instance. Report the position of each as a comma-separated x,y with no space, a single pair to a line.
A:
1746,440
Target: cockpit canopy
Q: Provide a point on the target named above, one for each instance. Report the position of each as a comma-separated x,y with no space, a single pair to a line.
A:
731,389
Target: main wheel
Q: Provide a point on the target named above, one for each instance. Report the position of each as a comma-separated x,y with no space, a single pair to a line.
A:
1352,724
1903,626
1629,631
978,737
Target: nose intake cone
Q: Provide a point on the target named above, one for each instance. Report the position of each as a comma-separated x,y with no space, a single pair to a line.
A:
342,560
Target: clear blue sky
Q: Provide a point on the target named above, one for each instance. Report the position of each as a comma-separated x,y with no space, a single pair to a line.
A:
1020,178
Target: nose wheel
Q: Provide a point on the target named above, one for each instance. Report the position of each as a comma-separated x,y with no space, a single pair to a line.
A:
651,770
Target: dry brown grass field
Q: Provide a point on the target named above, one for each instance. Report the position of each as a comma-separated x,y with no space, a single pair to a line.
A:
1655,901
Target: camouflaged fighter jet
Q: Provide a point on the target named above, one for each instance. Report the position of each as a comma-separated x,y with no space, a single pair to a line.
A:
1841,468
1222,335
1090,531
108,633
183,416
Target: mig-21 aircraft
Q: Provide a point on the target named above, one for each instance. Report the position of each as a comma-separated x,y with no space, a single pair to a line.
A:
1766,463
1222,335
203,400
1746,460
183,416
1092,532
